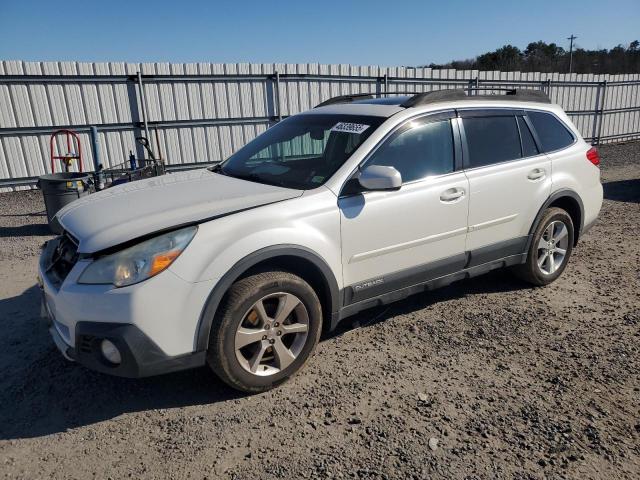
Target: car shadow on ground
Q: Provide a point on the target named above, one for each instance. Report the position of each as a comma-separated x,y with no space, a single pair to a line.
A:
623,190
497,281
22,215
29,230
41,393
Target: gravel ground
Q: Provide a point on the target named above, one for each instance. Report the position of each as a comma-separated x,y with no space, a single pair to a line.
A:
485,378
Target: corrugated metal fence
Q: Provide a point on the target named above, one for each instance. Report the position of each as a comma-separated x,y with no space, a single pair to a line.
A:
203,112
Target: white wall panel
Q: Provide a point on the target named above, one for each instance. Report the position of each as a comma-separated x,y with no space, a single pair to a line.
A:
30,109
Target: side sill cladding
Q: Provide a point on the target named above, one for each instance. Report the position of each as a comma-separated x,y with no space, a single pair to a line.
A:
215,297
399,285
434,283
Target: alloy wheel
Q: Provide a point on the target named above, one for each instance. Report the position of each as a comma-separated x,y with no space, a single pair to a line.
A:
552,247
272,334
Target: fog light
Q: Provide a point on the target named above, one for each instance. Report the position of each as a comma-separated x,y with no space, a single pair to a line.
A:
110,352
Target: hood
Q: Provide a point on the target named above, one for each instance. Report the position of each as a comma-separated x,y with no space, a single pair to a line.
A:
125,212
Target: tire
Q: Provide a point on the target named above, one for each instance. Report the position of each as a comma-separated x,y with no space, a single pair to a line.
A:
540,269
254,310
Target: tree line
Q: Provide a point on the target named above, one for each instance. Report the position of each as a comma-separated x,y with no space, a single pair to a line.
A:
550,57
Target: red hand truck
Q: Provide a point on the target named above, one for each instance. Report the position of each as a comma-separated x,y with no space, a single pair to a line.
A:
68,157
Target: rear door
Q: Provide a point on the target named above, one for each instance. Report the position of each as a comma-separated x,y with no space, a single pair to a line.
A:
509,180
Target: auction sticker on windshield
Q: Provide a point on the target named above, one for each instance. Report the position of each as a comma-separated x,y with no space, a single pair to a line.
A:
347,127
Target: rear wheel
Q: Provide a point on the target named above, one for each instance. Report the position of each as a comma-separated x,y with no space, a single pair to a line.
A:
550,249
266,329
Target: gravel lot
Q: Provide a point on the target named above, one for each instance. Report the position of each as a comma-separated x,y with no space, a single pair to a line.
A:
485,378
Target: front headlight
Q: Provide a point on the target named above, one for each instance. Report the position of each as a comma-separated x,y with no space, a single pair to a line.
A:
140,262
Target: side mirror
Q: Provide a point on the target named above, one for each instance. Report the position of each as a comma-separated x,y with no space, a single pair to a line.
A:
380,177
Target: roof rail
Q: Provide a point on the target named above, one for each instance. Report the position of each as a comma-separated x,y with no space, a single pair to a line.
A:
528,95
435,96
515,94
448,95
345,99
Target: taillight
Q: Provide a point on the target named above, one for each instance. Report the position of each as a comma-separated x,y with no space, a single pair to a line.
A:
593,156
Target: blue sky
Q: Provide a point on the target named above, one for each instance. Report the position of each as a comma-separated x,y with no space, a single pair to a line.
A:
325,31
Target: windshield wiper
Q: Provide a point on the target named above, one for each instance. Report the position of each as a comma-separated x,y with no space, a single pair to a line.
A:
251,177
217,168
254,177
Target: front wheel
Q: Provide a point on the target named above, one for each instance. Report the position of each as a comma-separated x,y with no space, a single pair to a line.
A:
265,330
550,249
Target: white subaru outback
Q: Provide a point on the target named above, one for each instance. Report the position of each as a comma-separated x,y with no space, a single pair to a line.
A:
359,202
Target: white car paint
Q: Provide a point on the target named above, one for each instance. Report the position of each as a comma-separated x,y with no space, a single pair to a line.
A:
385,232
132,210
359,238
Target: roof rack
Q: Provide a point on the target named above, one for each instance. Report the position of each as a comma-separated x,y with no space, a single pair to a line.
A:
513,94
435,96
345,99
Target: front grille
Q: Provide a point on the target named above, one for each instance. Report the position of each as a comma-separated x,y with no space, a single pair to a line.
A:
62,260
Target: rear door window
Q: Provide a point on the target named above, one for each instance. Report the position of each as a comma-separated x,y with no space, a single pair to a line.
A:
552,133
491,139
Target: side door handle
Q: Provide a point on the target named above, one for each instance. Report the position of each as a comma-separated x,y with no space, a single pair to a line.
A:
537,174
452,194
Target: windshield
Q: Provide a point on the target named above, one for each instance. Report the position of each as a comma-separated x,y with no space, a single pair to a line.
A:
301,152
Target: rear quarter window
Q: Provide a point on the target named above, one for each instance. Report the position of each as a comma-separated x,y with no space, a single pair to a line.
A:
552,133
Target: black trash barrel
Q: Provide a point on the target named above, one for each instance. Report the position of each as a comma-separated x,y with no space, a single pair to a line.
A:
60,189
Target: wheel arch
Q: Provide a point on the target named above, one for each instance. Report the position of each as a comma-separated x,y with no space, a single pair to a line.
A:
296,259
569,201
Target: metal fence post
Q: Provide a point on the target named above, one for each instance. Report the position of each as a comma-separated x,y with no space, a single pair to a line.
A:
596,107
98,176
132,94
470,87
545,85
602,100
95,147
277,92
143,102
386,83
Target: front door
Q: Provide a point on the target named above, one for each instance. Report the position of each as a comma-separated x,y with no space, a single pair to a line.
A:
395,239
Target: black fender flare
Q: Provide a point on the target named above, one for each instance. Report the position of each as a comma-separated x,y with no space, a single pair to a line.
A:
221,287
566,192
